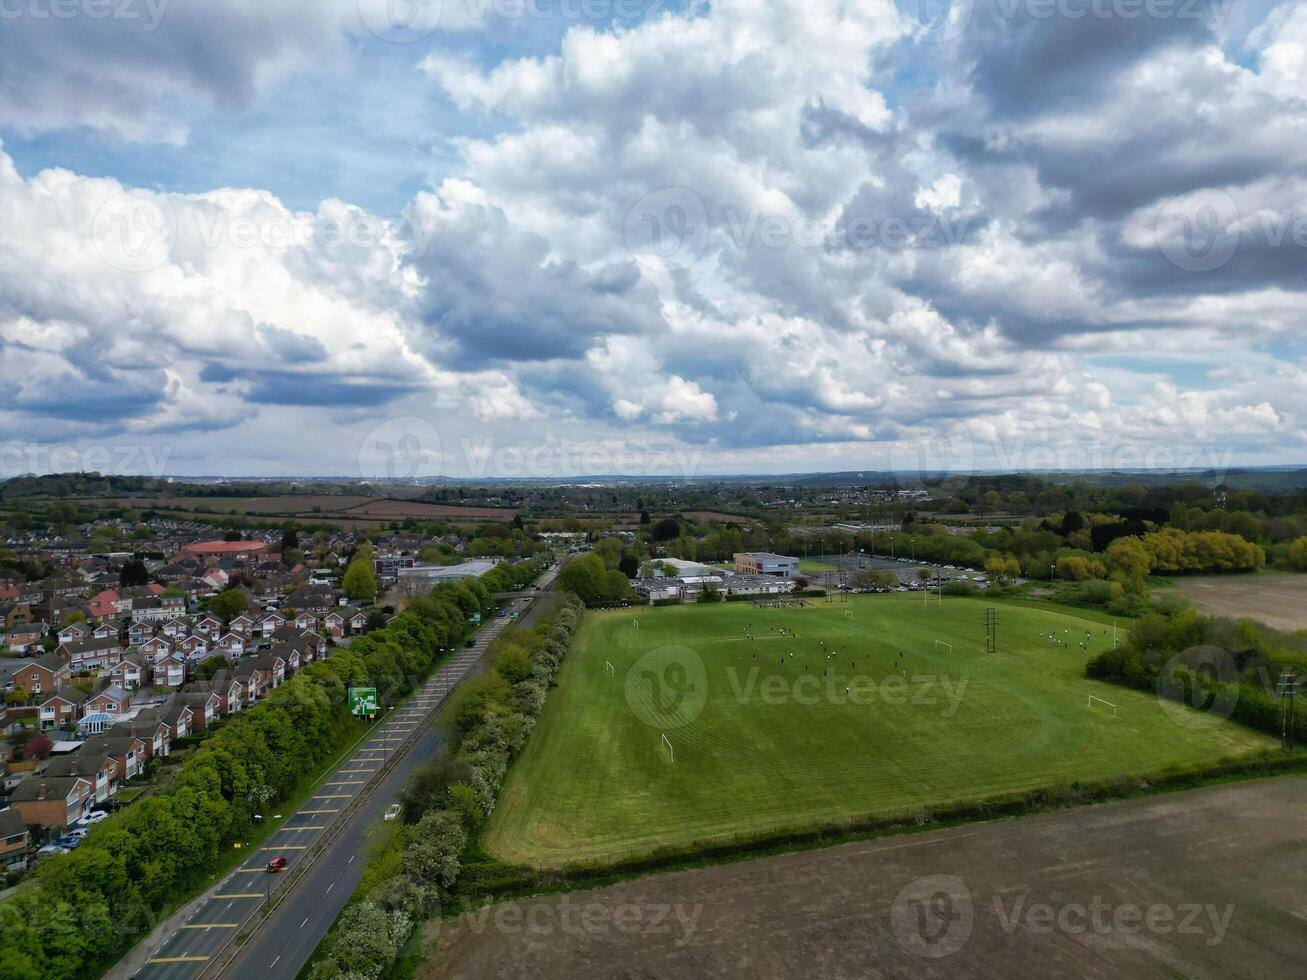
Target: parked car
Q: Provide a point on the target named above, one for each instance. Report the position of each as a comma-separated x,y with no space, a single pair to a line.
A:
108,806
78,832
68,842
392,812
51,849
471,643
276,864
95,816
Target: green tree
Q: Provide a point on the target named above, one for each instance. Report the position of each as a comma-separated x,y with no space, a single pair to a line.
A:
360,583
228,605
1298,554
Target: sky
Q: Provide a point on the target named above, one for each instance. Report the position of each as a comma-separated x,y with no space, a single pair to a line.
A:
534,238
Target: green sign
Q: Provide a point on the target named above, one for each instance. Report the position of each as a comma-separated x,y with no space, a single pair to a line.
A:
475,619
363,700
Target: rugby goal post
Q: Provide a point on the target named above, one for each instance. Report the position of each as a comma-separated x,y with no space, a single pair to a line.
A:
671,752
944,643
1107,704
848,614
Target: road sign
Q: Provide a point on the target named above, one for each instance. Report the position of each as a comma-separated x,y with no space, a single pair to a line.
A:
475,619
363,700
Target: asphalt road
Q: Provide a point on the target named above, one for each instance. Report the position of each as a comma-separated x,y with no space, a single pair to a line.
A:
283,943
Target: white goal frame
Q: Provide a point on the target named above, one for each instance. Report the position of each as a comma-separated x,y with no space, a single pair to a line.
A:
636,622
608,666
1092,699
848,614
671,752
944,643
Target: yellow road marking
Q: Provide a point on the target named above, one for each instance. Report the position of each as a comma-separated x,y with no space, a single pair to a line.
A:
333,796
306,827
210,925
241,895
179,959
319,811
344,782
285,847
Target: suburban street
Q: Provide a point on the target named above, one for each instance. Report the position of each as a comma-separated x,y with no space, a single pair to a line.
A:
307,906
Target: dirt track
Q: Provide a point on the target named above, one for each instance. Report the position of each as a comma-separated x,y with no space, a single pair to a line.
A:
1279,601
1206,883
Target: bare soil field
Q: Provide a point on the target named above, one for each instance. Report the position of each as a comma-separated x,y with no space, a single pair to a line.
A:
1279,601
1203,883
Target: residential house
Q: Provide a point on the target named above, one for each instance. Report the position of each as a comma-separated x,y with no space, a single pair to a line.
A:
131,673
23,637
100,768
208,626
156,648
111,701
170,671
138,632
57,802
104,631
74,631
194,647
268,624
273,666
15,841
155,733
61,709
128,751
254,678
87,655
231,645
175,629
44,675
206,708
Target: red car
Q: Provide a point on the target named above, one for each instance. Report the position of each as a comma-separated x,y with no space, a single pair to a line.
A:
276,864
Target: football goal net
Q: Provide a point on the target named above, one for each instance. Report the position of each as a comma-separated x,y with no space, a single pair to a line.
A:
1107,706
608,666
848,614
667,746
944,643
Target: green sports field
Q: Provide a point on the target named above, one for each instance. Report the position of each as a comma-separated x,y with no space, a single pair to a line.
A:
884,719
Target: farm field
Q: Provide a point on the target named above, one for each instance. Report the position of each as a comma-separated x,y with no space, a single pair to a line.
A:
1278,600
315,507
681,731
839,911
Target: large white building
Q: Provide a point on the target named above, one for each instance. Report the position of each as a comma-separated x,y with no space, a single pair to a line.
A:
765,563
